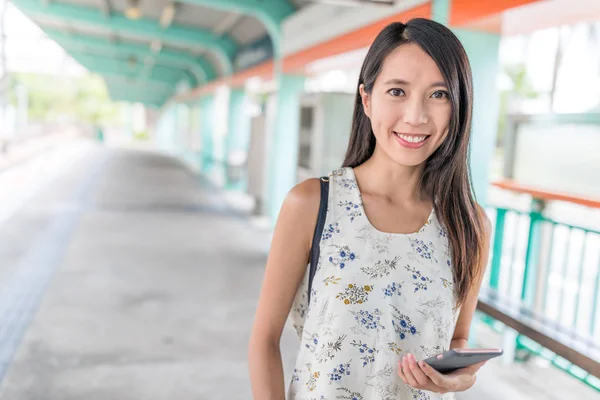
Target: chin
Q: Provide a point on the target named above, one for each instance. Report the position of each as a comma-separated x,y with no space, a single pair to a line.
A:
410,158
409,162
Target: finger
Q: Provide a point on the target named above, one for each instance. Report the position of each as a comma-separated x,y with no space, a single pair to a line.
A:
408,374
437,378
417,372
400,373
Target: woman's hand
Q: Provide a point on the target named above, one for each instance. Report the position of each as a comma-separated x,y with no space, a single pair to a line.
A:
422,376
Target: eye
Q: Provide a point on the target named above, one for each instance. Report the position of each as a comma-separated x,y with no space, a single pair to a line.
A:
396,92
440,94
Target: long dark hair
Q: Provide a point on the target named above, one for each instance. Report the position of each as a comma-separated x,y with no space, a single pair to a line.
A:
446,177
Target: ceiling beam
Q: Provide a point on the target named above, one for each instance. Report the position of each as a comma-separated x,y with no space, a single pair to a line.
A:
161,76
227,24
132,98
127,85
120,90
106,8
358,3
270,12
166,20
129,66
224,47
138,96
200,68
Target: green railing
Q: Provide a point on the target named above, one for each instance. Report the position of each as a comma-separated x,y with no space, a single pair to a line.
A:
553,269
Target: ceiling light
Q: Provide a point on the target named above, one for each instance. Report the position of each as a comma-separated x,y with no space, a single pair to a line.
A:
133,10
166,18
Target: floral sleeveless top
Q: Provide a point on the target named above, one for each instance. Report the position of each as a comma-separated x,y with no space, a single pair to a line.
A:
375,297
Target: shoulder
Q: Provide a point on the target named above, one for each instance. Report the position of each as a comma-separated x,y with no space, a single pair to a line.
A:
305,195
302,202
300,210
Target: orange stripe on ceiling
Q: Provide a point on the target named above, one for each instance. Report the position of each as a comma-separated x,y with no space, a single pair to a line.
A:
263,70
477,14
491,24
357,39
463,12
296,62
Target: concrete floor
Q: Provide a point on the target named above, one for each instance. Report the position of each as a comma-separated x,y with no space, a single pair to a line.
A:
129,278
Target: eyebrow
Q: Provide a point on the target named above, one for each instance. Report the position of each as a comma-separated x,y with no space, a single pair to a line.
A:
403,82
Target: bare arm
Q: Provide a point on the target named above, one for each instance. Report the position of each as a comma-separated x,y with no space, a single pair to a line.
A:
286,265
463,324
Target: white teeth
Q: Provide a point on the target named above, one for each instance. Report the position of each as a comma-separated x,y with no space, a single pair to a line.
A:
411,139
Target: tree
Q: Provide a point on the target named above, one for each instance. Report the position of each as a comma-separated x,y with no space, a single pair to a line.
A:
51,98
520,88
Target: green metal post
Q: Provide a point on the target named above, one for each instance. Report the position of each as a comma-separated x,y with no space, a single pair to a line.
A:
497,249
595,300
496,257
533,253
580,281
284,150
238,135
206,129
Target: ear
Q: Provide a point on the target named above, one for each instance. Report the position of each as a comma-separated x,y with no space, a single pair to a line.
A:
366,100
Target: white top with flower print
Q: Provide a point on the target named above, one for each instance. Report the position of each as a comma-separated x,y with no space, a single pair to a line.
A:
375,297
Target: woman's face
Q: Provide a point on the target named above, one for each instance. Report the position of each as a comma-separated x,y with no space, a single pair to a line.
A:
409,106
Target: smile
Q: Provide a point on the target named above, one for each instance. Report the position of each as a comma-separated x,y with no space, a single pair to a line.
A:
412,141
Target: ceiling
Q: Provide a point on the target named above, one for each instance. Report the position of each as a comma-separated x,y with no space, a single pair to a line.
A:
145,57
147,49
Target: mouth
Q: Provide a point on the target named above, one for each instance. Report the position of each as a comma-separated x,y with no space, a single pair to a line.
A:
411,140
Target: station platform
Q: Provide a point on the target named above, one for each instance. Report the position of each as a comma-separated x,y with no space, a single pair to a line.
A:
126,276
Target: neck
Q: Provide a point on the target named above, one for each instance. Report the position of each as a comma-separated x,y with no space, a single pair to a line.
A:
381,176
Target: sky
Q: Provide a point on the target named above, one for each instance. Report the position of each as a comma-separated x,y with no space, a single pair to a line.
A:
28,50
578,83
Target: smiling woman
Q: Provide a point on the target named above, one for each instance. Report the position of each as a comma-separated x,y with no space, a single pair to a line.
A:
403,245
415,108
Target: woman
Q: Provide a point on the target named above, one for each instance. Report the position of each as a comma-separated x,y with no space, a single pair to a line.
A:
404,247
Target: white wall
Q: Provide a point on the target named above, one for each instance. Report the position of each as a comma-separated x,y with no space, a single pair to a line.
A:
318,23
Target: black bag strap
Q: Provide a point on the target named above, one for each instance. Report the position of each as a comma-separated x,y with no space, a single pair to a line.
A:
314,251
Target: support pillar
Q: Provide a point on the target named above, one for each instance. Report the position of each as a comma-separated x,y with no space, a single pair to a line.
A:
283,154
238,139
206,130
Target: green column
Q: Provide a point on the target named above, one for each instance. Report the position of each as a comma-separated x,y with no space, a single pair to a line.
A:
483,51
206,130
238,135
166,129
440,11
283,153
173,130
195,152
177,146
533,253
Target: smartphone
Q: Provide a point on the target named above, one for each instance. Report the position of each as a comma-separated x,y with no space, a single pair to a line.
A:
454,359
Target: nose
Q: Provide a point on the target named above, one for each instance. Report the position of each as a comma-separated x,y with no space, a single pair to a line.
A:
415,112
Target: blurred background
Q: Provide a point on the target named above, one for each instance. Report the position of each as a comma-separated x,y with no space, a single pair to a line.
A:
146,147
